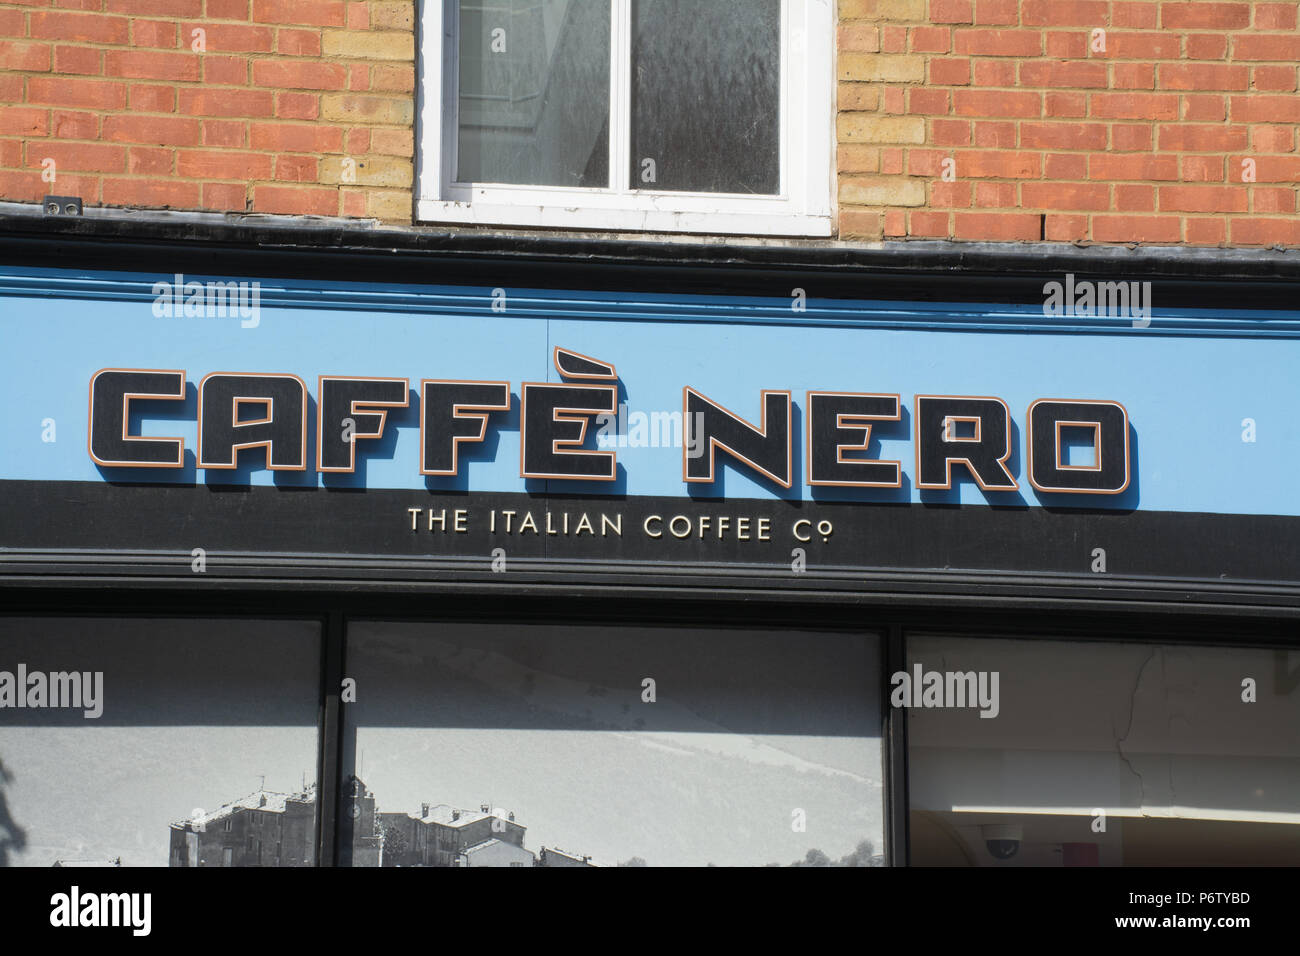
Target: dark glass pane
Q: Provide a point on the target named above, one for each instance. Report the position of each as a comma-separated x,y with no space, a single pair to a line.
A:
706,95
534,92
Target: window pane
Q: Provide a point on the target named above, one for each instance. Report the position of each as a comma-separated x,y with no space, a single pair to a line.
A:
534,92
158,742
485,745
1155,737
706,95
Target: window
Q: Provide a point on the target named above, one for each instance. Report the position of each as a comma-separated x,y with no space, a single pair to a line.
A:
662,115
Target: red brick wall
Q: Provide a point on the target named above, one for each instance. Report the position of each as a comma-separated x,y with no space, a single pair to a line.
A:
1049,137
286,106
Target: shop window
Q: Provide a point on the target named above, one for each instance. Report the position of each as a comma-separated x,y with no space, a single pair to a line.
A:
1104,754
191,715
656,115
619,745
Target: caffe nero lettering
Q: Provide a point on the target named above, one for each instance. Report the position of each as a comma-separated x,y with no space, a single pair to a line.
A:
1072,446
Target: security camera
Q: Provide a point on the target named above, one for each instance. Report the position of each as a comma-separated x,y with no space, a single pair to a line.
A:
1001,840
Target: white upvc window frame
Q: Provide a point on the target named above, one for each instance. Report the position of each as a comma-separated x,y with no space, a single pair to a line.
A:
803,207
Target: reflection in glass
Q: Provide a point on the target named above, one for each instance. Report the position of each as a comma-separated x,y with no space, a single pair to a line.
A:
481,745
534,92
706,95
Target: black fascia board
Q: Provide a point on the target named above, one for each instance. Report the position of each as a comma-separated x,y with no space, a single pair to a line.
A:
901,271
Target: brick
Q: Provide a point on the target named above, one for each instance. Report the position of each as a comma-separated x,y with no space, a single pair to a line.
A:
296,200
999,164
882,68
317,13
1135,197
858,9
848,159
371,45
303,106
88,94
156,8
358,76
1155,106
13,23
1135,167
980,42
382,110
950,71
893,39
79,27
1090,197
1203,139
1261,47
148,98
1133,76
1143,46
392,15
149,161
1202,76
895,222
1203,15
947,132
1064,13
1275,16
152,65
225,70
1066,46
1258,108
864,128
1205,108
859,224
1065,104
928,102
932,225
227,197
151,193
1064,167
80,157
152,130
358,17
1265,232
891,161
296,138
950,195
233,37
1206,232
1164,229
996,196
388,171
1131,137
296,169
1062,228
357,142
1207,46
1264,199
997,13
1134,13
393,78
1273,78
229,133
1008,227
1273,169
21,186
901,9
1202,169
220,164
25,57
226,9
1025,105
154,33
930,39
298,75
77,60
226,102
994,73
74,125
1202,199
24,121
1085,74
298,42
951,11
992,135
1089,136
1272,139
